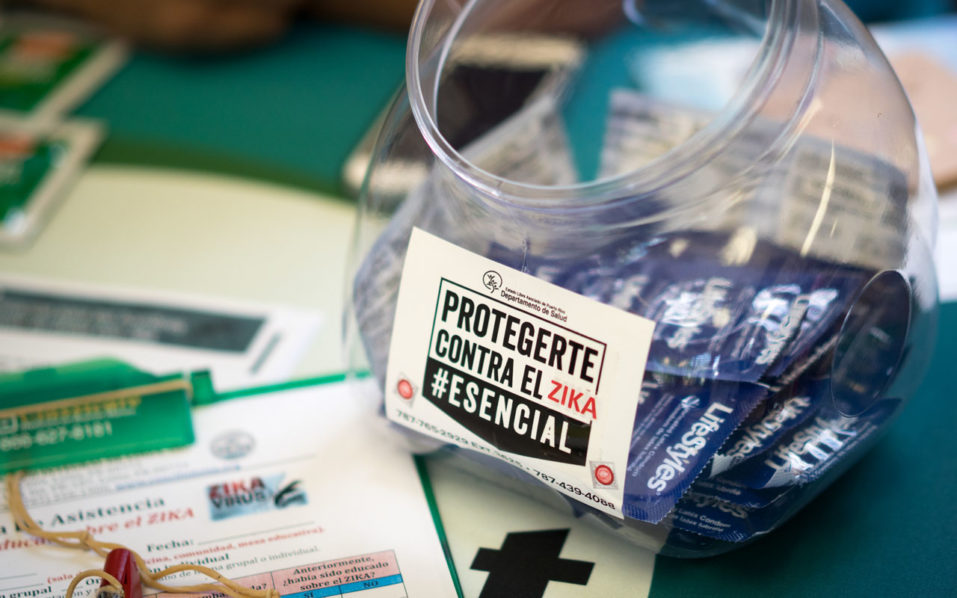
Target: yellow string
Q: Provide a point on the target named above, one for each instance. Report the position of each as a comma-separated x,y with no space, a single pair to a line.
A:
85,540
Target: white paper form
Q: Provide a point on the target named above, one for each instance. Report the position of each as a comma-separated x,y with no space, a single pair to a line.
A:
47,323
294,490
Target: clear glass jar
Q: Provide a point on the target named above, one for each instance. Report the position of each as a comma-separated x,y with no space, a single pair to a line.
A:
749,175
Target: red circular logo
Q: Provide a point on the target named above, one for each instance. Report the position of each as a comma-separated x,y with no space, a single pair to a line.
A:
604,475
405,389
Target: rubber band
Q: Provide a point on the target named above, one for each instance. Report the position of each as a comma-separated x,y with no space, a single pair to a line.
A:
114,582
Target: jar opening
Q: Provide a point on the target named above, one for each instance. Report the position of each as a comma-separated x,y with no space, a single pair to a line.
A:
568,102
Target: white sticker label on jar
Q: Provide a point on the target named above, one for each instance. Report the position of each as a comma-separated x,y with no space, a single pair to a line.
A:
500,362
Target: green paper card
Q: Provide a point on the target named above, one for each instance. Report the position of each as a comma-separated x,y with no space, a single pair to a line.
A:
48,66
60,416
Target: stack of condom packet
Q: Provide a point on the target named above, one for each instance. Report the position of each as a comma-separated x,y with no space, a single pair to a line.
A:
760,493
732,511
761,474
766,302
722,312
810,449
723,508
753,316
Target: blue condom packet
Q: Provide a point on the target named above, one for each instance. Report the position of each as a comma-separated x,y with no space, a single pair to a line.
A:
703,329
707,516
790,407
799,365
817,331
809,450
736,493
679,424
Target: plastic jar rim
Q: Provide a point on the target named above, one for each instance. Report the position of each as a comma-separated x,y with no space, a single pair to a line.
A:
743,106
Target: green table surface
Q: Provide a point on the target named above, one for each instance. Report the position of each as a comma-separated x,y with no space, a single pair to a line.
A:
288,113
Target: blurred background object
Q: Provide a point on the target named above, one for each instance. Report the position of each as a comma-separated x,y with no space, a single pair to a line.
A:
216,25
932,89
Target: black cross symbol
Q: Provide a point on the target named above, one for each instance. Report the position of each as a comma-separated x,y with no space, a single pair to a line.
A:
525,564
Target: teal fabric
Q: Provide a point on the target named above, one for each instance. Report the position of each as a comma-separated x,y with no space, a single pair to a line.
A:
299,106
886,10
294,110
887,528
